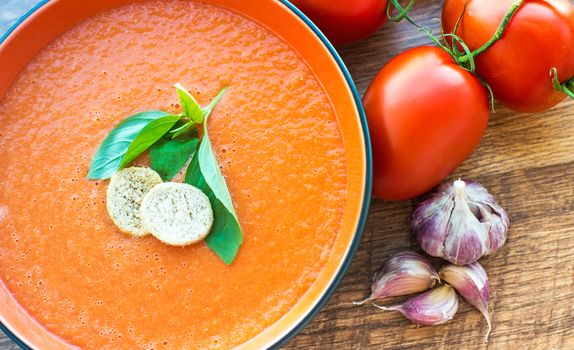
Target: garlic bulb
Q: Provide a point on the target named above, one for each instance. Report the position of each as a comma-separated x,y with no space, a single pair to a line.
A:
402,274
472,283
460,222
437,306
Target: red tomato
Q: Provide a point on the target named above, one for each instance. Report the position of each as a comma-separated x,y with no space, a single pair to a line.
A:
539,37
426,115
345,21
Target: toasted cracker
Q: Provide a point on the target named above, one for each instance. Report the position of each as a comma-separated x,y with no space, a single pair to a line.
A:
125,193
177,214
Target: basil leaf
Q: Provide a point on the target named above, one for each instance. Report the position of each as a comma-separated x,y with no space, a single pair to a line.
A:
149,135
204,173
225,237
212,174
191,108
208,163
109,156
168,156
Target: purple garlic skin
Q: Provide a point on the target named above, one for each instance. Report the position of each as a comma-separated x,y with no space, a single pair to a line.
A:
402,274
472,283
460,222
437,306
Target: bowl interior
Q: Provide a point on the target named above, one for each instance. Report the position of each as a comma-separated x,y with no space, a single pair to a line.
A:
54,17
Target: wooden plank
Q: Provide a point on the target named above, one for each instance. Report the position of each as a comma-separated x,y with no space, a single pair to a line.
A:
7,344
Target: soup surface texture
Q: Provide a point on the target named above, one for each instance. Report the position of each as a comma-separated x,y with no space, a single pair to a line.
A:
275,134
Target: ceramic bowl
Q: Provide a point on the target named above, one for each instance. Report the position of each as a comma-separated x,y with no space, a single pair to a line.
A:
51,18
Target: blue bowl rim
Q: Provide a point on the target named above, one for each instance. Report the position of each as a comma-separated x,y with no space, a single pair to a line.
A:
368,183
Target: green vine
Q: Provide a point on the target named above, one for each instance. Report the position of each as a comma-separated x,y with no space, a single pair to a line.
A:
497,34
461,57
403,12
461,53
459,50
458,21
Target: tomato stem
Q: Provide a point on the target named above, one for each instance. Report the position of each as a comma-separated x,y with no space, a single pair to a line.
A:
455,48
566,87
403,12
497,35
489,90
456,53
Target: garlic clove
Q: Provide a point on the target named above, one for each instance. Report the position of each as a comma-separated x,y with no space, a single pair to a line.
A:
498,228
467,238
472,283
460,222
490,213
437,306
402,274
432,217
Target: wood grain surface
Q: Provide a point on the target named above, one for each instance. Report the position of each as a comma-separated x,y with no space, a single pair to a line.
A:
527,162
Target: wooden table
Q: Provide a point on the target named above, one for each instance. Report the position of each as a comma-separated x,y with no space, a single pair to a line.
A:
527,161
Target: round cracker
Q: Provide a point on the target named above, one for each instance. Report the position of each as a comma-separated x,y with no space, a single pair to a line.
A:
177,214
125,193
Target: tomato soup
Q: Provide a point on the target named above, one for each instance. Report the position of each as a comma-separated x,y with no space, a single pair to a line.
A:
276,137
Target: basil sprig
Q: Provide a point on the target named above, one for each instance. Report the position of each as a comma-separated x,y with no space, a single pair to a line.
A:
171,140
